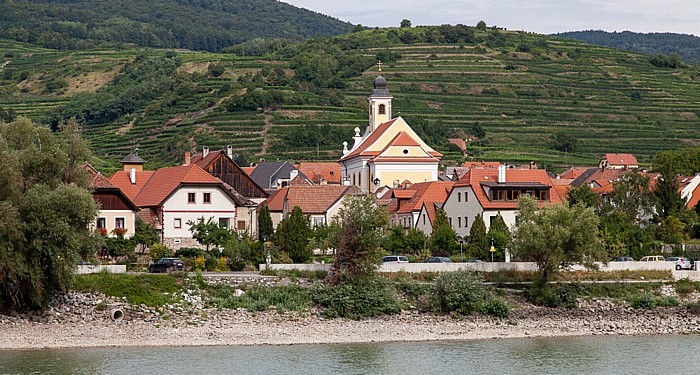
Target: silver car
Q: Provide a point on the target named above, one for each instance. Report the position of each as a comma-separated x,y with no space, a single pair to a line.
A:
681,263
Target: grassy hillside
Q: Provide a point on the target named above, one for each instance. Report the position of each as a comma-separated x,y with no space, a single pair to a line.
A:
198,25
687,46
521,94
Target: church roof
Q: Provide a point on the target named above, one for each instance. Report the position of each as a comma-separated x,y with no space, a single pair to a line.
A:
371,145
380,89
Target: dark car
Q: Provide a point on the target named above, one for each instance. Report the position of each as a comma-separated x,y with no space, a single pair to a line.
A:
438,260
623,259
166,265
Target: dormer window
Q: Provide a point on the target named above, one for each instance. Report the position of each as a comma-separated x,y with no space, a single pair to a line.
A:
382,109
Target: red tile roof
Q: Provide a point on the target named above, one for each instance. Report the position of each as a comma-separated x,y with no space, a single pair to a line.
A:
248,170
403,194
165,180
475,177
370,140
276,200
423,192
573,172
329,171
121,180
482,164
695,198
403,139
317,199
620,159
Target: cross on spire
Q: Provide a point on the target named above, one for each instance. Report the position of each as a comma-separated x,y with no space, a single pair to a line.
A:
379,64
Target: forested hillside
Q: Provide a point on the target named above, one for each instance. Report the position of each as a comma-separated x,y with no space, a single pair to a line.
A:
687,46
515,97
208,25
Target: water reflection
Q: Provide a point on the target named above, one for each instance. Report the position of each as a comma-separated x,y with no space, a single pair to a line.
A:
590,355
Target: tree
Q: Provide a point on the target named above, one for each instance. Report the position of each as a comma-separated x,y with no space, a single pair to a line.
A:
265,227
668,198
501,237
405,23
395,240
46,209
416,240
557,236
481,25
292,236
144,236
359,251
630,195
478,241
209,233
565,143
443,238
583,195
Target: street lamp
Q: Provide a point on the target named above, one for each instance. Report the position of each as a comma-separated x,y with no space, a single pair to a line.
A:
376,181
492,250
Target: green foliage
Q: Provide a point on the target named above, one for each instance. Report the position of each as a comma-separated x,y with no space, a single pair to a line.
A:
443,238
243,253
667,195
565,143
171,24
265,227
479,243
260,298
158,251
45,211
405,23
216,70
358,252
209,233
257,47
151,290
292,236
685,161
583,195
557,237
357,300
559,295
145,235
649,301
481,25
499,232
631,195
464,293
395,240
672,61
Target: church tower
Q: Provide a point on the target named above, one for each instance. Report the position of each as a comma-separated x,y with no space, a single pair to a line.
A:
379,103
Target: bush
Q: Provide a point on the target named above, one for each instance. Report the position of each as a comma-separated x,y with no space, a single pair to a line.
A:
158,251
151,290
357,300
549,295
460,291
496,307
260,298
189,252
648,301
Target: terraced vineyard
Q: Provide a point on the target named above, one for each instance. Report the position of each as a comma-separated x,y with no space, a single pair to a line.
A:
608,100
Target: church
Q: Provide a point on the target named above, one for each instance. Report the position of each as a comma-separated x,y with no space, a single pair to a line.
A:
389,152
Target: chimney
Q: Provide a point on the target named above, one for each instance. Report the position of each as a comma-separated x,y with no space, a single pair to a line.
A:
396,184
501,174
205,152
533,165
229,151
187,158
132,176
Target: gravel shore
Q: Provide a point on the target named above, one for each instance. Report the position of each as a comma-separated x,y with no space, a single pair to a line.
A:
83,320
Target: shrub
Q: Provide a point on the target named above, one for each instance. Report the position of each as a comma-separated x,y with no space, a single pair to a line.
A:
644,300
158,251
199,263
189,252
151,290
460,291
555,295
260,298
357,300
496,307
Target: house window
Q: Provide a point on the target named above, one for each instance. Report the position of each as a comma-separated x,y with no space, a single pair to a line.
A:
101,223
241,225
450,221
317,221
177,223
459,222
423,219
191,198
119,222
466,222
382,109
224,222
491,220
459,197
207,197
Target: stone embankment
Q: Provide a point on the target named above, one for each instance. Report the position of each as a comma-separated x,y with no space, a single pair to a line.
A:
85,320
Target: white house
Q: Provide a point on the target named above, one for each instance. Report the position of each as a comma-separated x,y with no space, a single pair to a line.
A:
488,192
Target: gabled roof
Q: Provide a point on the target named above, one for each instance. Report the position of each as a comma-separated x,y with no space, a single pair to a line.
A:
266,173
317,199
620,159
370,148
573,172
121,180
102,185
431,209
329,171
694,198
424,192
514,177
133,158
276,200
205,163
584,177
166,180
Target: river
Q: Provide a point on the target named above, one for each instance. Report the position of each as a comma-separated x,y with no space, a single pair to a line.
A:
579,355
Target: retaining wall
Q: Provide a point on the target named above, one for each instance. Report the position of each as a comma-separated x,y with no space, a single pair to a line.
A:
98,268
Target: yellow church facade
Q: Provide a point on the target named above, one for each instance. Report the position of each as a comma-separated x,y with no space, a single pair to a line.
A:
389,152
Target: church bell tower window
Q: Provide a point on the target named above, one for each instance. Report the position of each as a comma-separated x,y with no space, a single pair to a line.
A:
382,109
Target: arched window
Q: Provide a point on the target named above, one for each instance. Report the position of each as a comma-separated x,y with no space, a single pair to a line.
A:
382,109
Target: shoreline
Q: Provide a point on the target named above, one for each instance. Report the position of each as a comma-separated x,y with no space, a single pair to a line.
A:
241,328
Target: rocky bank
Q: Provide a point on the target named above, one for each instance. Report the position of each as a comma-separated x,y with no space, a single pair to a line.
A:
85,320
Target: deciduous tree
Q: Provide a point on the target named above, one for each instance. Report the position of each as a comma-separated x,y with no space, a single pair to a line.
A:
443,238
209,233
293,235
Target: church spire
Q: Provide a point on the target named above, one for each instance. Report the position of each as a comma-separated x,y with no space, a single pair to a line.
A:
379,101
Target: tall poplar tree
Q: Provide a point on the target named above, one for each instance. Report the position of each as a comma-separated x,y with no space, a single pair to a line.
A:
293,235
478,240
265,226
443,239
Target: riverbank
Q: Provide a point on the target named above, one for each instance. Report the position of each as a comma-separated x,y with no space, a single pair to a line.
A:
83,320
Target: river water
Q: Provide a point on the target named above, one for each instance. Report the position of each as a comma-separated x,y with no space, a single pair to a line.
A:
580,355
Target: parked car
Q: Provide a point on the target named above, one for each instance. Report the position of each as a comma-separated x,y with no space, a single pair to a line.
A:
395,259
623,259
681,263
653,258
438,260
166,265
473,261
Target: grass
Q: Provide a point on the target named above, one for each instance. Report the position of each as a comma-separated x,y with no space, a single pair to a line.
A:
150,290
260,298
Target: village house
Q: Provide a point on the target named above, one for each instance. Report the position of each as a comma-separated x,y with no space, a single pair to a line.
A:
618,161
117,213
320,203
406,204
220,164
389,151
274,175
489,192
321,173
689,188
